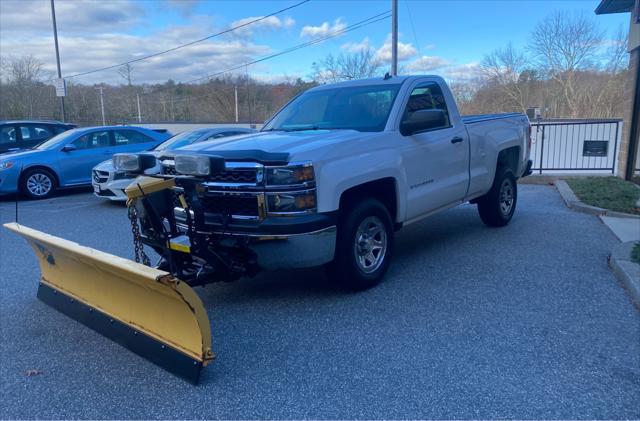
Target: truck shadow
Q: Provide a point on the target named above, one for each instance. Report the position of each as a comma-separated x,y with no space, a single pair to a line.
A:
415,245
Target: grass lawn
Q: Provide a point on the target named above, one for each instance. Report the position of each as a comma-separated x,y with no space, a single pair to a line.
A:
610,193
635,253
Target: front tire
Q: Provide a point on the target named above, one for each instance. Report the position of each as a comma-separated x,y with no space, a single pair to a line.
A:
496,208
37,183
364,245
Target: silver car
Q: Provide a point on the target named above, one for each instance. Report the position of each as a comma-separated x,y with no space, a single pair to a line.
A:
110,184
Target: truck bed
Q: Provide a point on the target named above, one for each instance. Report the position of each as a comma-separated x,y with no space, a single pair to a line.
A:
476,118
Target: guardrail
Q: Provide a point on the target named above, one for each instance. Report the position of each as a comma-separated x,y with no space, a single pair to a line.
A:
575,145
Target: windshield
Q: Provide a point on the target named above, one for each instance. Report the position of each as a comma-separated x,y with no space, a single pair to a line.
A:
181,139
56,140
362,108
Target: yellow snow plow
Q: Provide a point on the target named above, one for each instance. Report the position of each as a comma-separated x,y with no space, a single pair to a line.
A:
144,309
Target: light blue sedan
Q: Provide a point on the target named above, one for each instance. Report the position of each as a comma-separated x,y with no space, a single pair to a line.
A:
66,160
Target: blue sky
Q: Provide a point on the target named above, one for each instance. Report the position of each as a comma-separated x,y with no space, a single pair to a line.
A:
454,35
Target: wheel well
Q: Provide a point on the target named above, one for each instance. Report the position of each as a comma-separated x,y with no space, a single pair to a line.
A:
40,167
383,190
509,157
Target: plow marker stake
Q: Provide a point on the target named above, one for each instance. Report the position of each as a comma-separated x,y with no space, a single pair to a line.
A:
141,308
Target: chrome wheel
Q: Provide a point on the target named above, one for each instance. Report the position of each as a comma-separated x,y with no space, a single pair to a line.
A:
39,184
370,245
506,197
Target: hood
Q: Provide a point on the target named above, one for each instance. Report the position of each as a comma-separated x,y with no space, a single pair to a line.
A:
278,143
105,166
21,153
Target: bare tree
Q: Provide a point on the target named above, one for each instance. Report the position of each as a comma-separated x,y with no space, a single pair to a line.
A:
506,68
23,77
346,66
564,44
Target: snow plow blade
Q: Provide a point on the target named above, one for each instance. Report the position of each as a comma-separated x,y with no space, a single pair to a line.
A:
146,310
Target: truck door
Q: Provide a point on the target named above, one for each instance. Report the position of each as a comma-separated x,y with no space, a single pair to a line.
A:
437,158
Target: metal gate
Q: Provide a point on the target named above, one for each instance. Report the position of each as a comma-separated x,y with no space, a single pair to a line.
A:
575,145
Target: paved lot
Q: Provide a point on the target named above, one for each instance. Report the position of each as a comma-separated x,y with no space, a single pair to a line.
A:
525,321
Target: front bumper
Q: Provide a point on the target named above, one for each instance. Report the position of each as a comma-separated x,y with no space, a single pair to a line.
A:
295,250
112,190
278,242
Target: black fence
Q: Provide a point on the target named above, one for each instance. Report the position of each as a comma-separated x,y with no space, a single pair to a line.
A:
575,145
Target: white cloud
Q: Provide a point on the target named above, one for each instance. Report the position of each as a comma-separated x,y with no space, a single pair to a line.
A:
323,30
405,51
271,22
79,53
73,16
463,73
426,64
356,47
430,47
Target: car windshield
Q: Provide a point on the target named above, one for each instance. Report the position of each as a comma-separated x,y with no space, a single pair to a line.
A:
181,139
56,140
362,108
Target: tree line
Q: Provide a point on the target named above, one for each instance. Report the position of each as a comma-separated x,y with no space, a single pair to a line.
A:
570,69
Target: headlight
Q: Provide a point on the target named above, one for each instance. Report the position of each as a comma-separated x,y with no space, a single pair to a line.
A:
198,165
133,163
292,175
288,202
5,165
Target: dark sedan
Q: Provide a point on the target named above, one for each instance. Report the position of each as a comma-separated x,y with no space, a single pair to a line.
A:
25,134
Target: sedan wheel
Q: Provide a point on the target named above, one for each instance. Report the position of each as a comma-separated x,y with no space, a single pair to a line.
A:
38,183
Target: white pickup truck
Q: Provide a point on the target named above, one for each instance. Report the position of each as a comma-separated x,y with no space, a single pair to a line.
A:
329,179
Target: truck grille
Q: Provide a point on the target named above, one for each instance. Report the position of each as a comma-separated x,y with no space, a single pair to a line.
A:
242,205
236,176
231,204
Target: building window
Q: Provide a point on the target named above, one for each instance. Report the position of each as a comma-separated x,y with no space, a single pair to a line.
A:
595,148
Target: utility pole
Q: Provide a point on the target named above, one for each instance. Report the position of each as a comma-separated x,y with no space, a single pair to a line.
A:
139,115
235,88
102,104
55,38
394,37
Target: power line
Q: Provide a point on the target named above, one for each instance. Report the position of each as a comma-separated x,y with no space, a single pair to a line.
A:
226,31
357,25
413,29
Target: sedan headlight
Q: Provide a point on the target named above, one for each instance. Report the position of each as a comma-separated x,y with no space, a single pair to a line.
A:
291,175
5,165
198,165
133,163
291,202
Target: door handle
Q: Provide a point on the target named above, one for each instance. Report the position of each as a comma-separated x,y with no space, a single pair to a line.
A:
457,139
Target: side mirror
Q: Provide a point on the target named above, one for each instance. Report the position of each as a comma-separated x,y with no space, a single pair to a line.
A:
422,120
68,148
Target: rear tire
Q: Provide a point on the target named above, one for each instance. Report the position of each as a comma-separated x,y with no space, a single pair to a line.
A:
364,245
37,183
496,208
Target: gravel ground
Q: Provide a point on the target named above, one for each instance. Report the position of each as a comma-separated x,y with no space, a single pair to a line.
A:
525,321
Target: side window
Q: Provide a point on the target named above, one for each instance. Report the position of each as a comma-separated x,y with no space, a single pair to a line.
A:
130,137
429,96
33,132
217,136
59,129
93,140
8,134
